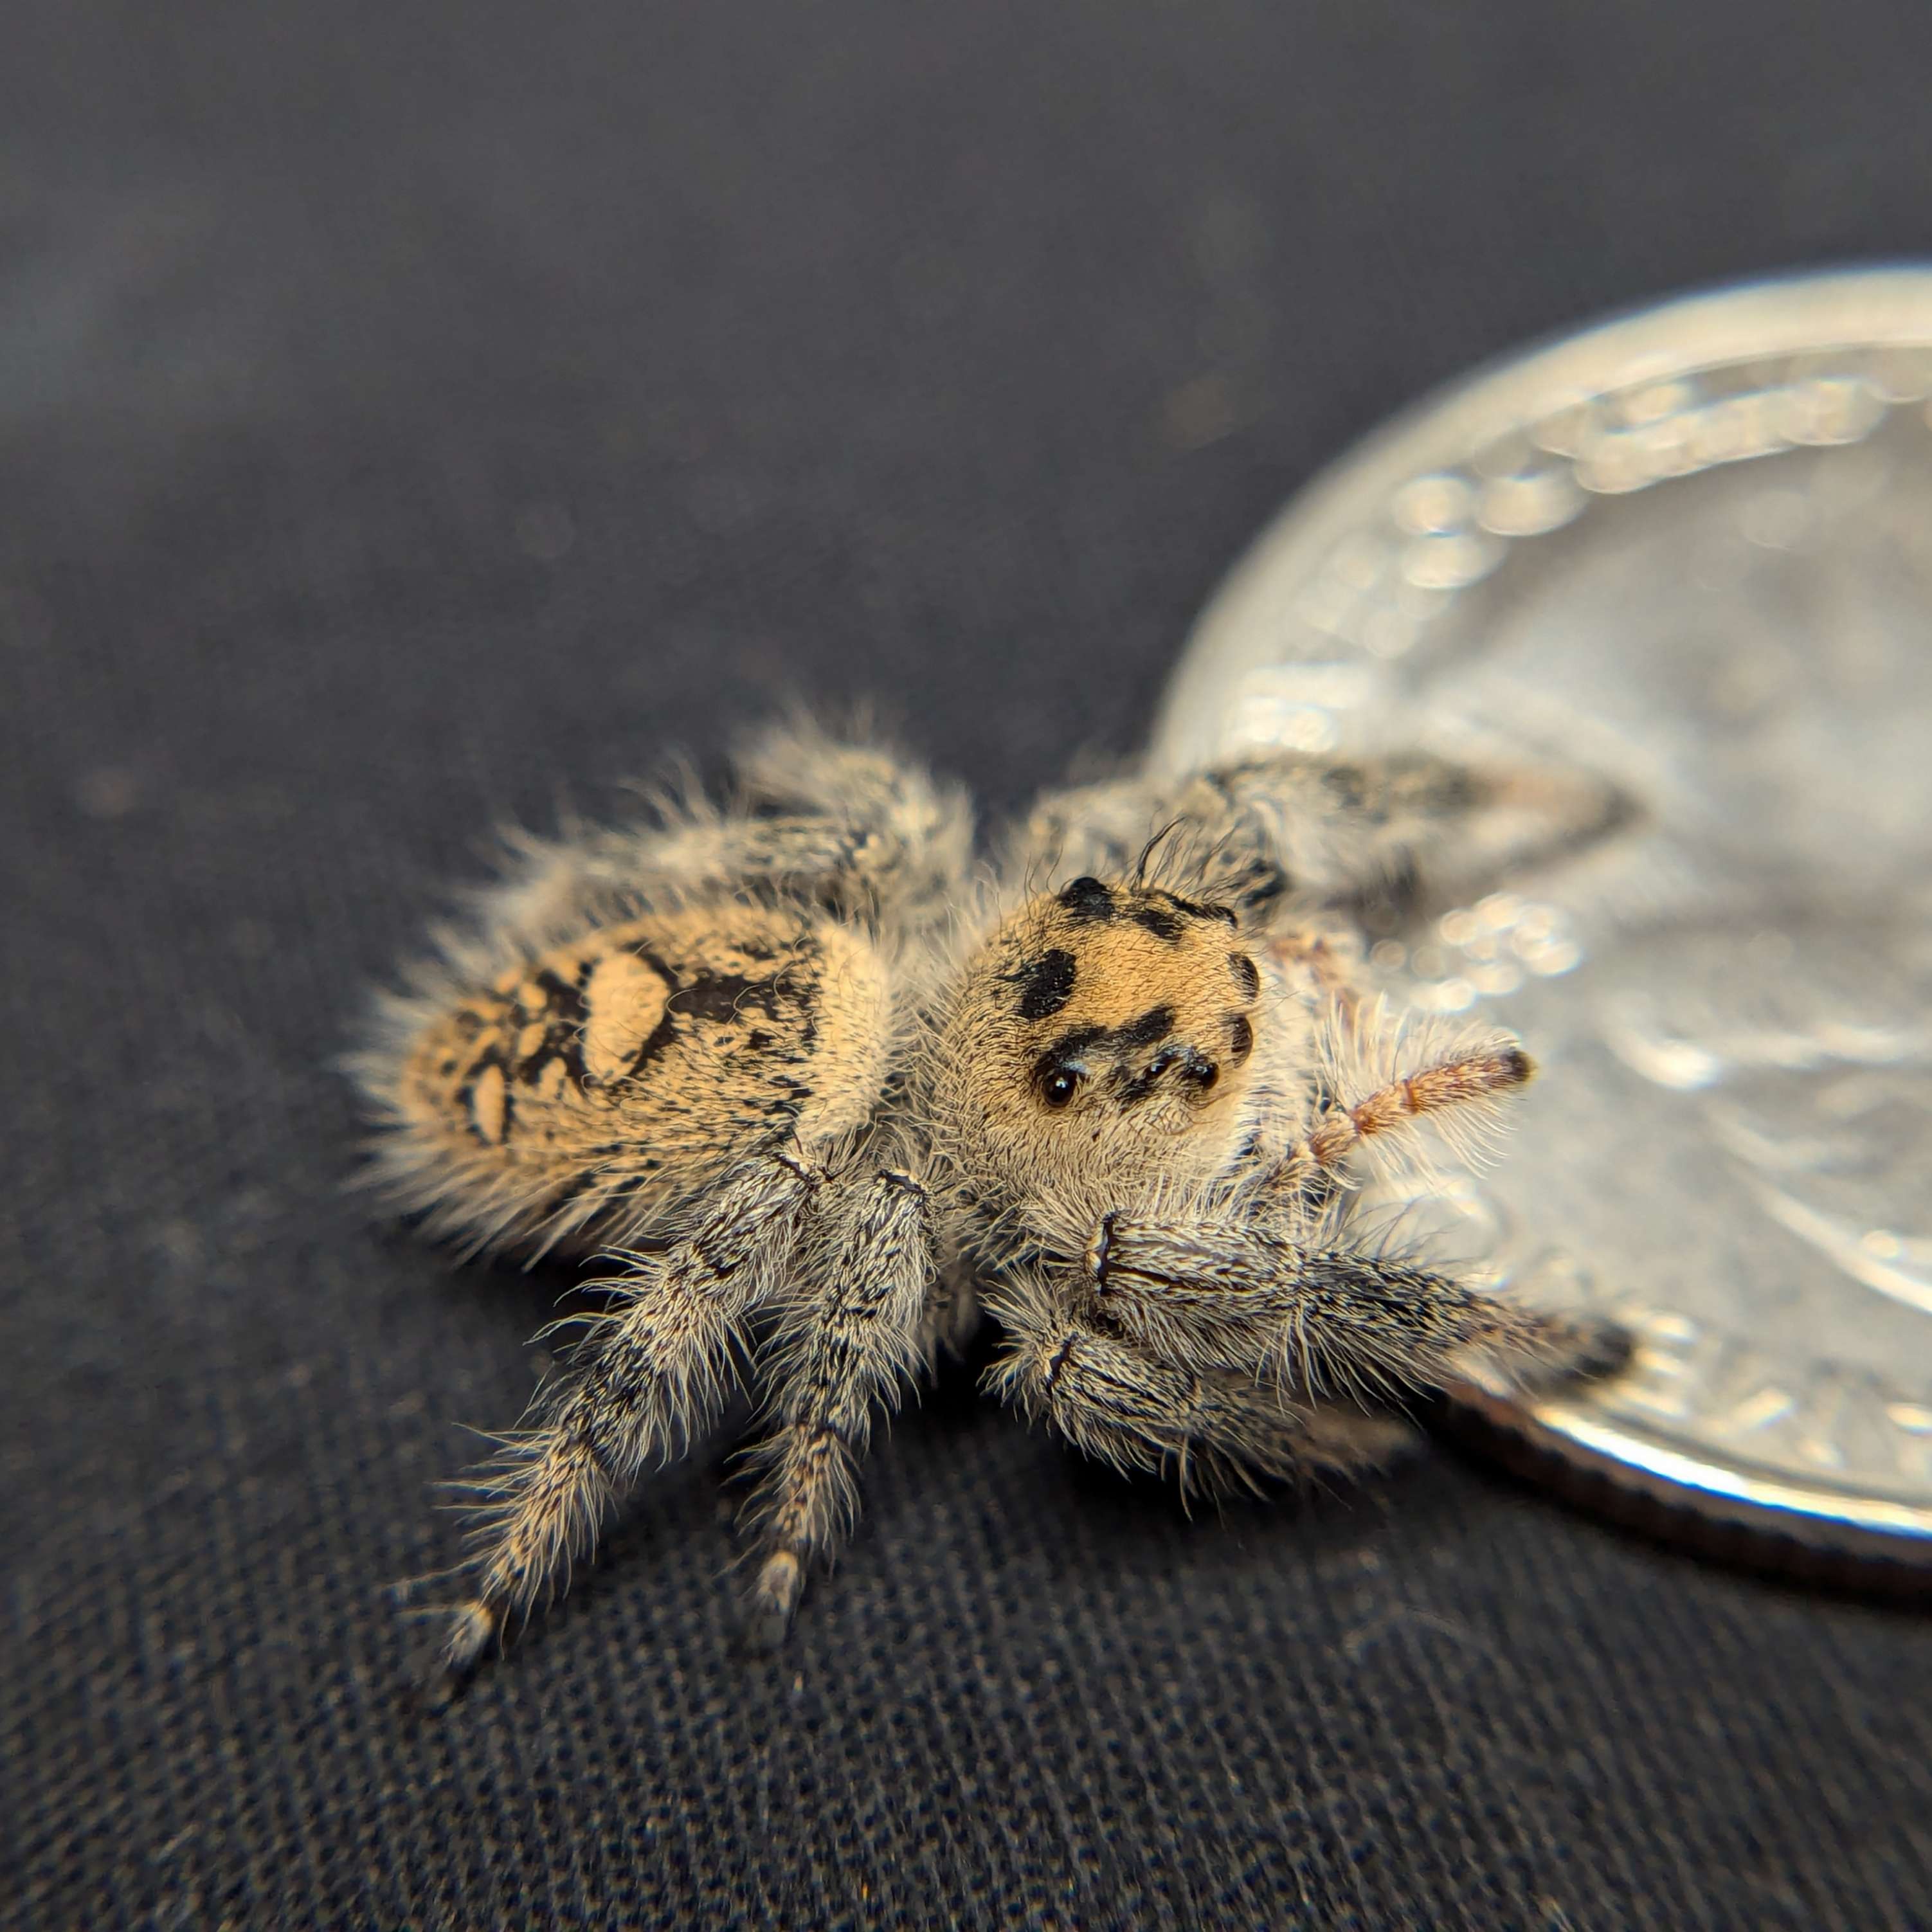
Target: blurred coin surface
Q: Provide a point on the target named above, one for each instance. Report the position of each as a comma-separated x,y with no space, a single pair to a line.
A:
1690,550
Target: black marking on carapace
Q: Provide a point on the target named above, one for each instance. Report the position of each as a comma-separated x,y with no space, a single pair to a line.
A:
1069,1048
1247,974
1165,925
1129,1089
1199,909
1045,985
1240,1039
1268,882
1152,1028
1087,899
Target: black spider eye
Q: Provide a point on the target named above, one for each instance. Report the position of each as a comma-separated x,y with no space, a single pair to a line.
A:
1057,1089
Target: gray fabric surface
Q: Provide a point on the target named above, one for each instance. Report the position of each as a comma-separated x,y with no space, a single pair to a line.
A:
411,415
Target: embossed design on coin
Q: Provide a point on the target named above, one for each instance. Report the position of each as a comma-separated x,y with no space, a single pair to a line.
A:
1690,551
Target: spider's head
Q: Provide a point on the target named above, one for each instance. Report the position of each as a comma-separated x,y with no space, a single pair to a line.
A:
1105,1031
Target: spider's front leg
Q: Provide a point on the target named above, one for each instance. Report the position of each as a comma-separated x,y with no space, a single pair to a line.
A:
857,1333
1461,1092
1232,1291
652,1373
1116,1400
1332,828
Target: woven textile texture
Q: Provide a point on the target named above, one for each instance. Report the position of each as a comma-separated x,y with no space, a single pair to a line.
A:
416,416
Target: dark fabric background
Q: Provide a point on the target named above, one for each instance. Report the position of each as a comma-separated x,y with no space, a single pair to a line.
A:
412,415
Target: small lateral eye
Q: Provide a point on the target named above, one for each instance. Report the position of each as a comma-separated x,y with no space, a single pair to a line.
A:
1192,1069
1059,1087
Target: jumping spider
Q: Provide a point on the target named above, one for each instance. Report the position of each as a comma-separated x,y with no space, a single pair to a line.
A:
818,1089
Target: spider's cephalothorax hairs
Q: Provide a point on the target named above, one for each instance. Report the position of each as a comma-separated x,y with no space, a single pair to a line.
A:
1103,1038
816,1090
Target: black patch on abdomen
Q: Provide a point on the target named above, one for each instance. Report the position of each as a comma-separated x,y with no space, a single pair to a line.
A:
564,1016
723,996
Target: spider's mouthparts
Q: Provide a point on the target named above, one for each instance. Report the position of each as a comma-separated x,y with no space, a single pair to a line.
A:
1098,1249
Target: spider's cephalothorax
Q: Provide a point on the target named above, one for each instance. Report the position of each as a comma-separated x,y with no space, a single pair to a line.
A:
818,1091
1104,1037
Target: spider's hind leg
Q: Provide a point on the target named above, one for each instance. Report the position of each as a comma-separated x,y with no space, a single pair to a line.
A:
851,1342
653,1371
896,838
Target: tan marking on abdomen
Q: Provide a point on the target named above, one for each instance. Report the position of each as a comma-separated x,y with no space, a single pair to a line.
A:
624,1000
488,1097
587,1085
850,1052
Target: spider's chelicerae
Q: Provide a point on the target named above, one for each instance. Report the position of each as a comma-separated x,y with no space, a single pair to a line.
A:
819,1089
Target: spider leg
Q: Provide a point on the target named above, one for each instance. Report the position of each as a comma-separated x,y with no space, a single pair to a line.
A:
1335,829
1094,828
1226,1293
868,832
849,1343
855,863
651,1374
1115,1400
1474,1079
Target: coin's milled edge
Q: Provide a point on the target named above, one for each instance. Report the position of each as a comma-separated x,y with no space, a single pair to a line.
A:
1778,1529
1764,1521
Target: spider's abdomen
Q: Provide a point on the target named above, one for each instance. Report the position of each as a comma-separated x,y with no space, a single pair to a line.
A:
592,1082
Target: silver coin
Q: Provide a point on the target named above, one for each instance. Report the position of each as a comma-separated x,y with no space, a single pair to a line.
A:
1691,550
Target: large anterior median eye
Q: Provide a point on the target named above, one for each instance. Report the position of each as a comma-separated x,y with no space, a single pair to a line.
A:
1060,1086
